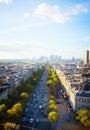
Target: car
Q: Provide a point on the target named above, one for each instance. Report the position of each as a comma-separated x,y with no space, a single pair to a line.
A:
35,106
23,119
45,114
61,90
40,106
33,95
31,120
68,101
37,120
65,95
58,102
26,110
42,96
42,112
46,100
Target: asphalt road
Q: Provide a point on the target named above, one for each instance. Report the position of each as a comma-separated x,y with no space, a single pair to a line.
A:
35,115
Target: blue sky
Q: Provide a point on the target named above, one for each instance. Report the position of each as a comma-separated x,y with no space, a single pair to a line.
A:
31,28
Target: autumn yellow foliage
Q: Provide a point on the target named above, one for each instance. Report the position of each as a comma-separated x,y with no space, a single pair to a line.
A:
53,116
53,107
15,112
83,115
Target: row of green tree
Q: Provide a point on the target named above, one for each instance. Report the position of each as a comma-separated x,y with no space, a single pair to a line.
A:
52,80
12,108
53,115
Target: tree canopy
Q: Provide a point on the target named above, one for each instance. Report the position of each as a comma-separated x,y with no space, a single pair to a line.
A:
24,96
53,107
83,116
52,98
3,109
15,112
52,102
53,116
52,80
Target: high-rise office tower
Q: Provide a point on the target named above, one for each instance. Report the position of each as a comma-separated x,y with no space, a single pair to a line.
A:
86,57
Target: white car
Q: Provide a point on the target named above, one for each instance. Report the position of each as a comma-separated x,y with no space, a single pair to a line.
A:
40,107
31,120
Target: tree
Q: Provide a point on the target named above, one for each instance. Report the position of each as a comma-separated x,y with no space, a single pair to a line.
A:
25,96
55,80
7,101
25,87
53,107
11,126
52,98
83,116
52,102
50,82
3,109
53,117
15,112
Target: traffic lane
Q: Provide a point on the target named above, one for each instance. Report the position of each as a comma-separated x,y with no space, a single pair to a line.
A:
38,113
44,125
33,111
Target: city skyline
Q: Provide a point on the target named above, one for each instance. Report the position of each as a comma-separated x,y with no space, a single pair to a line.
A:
42,28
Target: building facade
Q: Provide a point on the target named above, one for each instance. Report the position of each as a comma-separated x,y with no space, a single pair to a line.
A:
76,86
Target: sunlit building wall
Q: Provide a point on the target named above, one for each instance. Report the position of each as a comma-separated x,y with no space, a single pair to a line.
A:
86,57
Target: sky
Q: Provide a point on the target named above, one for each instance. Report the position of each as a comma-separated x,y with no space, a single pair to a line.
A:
34,28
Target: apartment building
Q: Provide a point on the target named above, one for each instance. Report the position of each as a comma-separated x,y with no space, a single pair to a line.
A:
11,76
75,84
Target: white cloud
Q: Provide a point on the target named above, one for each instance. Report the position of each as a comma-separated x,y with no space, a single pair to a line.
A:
78,8
55,14
26,15
5,1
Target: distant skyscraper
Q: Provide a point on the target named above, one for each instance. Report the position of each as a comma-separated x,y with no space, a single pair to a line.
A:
86,57
55,58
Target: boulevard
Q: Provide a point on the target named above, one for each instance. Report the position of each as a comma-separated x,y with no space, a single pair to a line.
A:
35,115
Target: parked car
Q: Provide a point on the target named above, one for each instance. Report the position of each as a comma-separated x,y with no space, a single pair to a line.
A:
65,95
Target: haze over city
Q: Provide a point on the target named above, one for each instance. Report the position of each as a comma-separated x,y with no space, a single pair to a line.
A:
31,28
